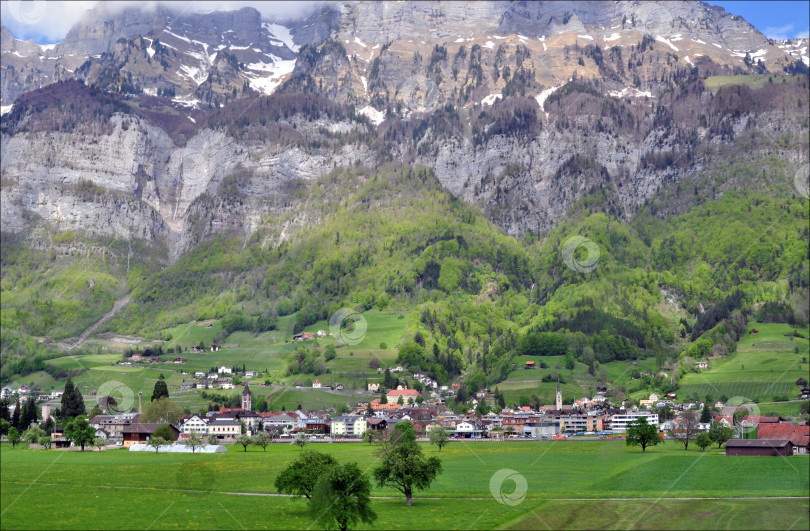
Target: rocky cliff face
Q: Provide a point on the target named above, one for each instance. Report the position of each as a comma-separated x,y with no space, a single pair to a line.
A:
522,107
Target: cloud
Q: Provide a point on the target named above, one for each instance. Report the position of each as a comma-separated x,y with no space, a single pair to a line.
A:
788,31
48,22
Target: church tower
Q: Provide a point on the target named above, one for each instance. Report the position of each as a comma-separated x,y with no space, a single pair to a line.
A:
247,398
559,395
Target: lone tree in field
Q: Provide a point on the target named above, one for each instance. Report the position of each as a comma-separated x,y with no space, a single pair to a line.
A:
403,466
720,434
194,441
438,436
640,433
244,440
160,390
100,442
45,442
13,436
80,432
301,440
341,498
686,428
261,439
704,441
301,476
157,442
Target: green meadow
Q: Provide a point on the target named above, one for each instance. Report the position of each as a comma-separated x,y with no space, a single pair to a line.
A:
565,481
765,365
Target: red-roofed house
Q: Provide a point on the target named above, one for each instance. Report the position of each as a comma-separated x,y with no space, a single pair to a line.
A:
798,435
408,395
725,420
377,406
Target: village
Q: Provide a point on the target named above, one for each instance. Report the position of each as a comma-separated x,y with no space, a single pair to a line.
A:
598,417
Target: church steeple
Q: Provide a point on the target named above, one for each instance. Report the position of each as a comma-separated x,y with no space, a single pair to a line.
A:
559,395
247,398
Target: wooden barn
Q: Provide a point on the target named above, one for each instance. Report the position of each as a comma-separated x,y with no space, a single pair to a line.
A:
766,447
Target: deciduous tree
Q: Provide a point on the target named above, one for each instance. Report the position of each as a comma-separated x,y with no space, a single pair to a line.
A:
720,433
244,440
156,442
641,433
162,410
194,441
300,477
703,440
438,436
261,439
80,432
686,428
403,466
341,498
13,436
165,432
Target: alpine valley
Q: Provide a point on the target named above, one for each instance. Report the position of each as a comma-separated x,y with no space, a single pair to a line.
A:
616,190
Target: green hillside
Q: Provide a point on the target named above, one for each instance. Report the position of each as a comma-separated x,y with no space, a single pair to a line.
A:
443,291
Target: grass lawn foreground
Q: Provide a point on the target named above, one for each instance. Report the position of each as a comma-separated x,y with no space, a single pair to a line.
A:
569,484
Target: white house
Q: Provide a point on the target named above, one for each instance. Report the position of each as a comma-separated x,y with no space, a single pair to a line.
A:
224,370
619,421
193,423
349,425
251,374
374,387
199,374
7,392
224,429
316,384
702,364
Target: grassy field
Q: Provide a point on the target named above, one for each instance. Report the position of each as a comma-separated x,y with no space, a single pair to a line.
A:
754,81
765,365
117,489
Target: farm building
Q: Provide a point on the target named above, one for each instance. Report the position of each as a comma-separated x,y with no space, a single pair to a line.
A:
759,447
141,433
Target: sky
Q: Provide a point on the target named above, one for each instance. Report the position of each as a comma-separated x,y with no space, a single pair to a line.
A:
777,20
48,22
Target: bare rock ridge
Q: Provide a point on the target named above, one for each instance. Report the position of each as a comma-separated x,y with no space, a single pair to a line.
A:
157,125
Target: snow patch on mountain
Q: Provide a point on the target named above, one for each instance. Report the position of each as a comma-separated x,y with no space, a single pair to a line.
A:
376,117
